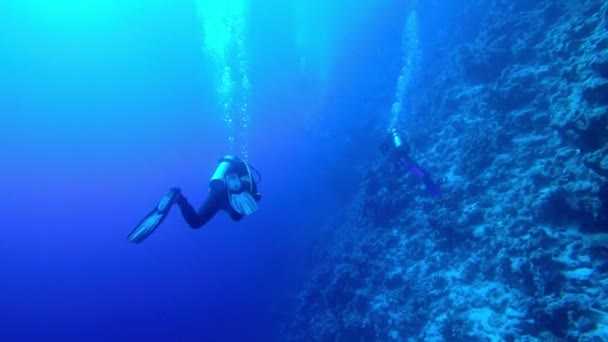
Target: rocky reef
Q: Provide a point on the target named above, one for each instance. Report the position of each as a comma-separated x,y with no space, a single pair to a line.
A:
516,248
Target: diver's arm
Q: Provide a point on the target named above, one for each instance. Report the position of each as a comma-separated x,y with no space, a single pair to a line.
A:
256,194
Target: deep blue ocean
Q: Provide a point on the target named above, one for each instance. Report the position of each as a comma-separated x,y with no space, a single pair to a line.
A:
106,104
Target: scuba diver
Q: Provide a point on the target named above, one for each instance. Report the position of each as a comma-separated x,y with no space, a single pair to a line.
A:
397,150
231,188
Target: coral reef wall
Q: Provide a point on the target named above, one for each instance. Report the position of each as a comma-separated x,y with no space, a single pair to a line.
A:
514,126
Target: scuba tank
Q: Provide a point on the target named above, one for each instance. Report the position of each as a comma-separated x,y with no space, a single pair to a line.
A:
231,163
218,179
396,140
395,143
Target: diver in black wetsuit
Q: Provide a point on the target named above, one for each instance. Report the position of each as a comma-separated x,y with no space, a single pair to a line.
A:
232,188
397,150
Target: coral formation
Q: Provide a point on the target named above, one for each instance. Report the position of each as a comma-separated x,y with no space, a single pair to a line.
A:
516,248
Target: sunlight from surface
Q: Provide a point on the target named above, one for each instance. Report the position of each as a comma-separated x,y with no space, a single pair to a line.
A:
70,15
313,39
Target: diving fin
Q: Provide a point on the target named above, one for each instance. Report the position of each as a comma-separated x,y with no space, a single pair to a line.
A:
243,203
151,221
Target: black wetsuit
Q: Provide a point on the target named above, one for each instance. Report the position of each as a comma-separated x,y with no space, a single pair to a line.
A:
216,200
400,156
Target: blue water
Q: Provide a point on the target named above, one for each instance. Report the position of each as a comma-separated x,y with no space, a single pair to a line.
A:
106,105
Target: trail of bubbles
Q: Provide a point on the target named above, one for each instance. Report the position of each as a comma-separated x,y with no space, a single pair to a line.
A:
244,101
225,91
411,59
223,23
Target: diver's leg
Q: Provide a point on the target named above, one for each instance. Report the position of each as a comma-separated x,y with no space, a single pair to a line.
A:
416,169
205,213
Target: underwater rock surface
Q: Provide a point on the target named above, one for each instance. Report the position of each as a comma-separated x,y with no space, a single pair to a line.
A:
516,249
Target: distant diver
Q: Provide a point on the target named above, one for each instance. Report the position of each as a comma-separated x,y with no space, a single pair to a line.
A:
232,188
397,150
